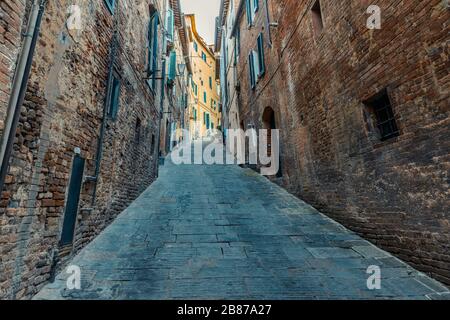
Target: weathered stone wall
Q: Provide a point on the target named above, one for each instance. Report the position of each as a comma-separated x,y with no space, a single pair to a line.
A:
63,110
396,192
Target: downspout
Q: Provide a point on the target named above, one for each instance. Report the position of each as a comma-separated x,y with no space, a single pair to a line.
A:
161,111
19,87
269,24
107,102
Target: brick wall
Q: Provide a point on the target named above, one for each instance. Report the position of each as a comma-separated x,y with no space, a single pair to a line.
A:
63,110
395,192
12,13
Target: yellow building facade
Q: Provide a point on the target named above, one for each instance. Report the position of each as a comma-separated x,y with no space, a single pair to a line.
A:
204,88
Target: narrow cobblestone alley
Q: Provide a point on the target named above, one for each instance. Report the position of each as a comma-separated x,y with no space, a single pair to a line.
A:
223,232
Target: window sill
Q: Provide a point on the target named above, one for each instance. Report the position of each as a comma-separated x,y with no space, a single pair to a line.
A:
382,143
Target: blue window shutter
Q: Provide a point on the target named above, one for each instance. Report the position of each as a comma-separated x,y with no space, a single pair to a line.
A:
255,5
210,82
249,11
111,4
170,25
262,65
204,96
173,66
163,79
155,49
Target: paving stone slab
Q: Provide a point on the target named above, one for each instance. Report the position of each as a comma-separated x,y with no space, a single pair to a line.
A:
223,232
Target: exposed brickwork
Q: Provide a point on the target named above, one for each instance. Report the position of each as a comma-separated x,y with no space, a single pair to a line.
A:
63,109
395,193
12,14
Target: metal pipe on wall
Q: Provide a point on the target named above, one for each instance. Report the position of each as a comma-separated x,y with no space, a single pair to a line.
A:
19,86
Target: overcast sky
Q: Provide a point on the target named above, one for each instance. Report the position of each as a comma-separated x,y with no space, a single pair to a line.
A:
205,12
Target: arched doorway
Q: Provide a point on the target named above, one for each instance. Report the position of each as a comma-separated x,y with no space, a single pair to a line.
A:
269,123
268,120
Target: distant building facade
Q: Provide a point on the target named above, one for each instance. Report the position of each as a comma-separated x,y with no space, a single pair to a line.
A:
204,108
177,71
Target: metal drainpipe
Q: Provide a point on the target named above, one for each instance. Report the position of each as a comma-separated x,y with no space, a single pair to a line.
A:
98,156
161,110
268,21
19,87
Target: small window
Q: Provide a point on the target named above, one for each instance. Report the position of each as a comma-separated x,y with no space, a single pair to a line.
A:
204,58
152,148
114,98
111,4
380,108
137,131
317,18
251,70
195,46
208,123
205,97
210,83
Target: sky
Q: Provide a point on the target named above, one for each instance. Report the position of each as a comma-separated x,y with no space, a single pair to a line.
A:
205,12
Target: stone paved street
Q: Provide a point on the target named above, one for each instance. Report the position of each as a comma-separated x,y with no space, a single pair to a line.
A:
223,232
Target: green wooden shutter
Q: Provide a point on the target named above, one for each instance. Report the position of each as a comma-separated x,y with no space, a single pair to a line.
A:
249,11
111,4
170,25
262,65
155,20
255,5
173,66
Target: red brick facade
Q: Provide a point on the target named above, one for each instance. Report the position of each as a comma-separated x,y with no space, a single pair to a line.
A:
393,192
63,110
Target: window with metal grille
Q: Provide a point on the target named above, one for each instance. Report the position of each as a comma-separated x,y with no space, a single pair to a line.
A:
381,108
